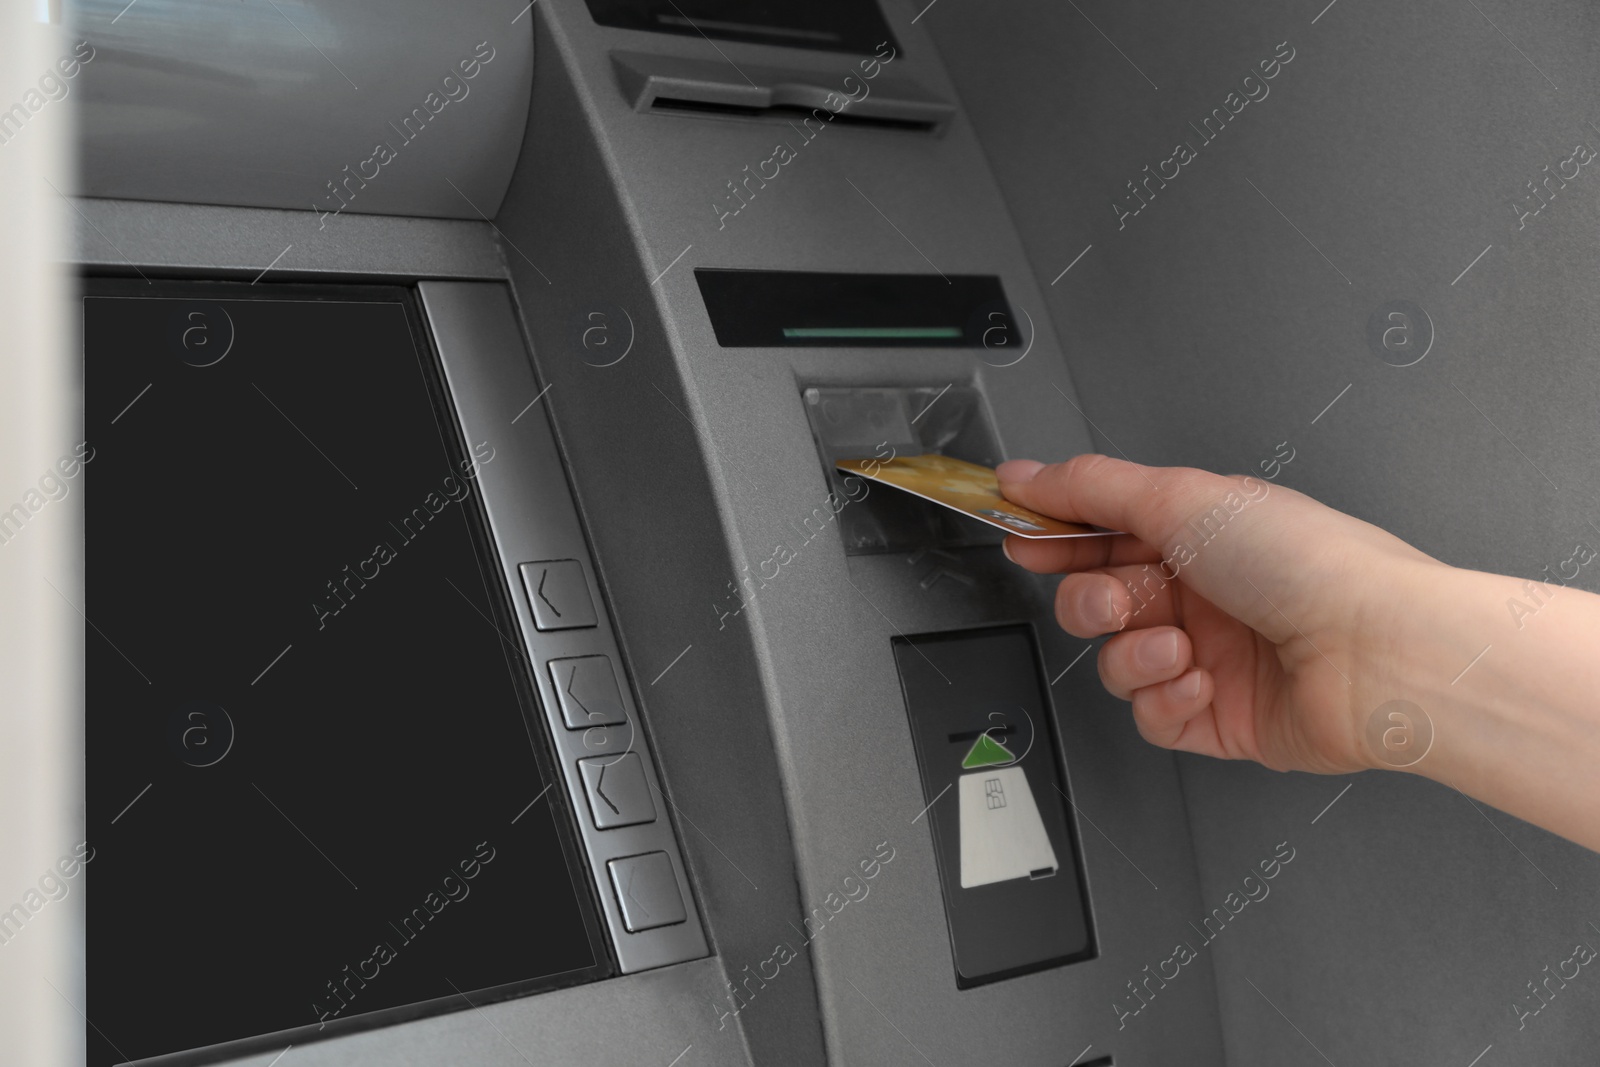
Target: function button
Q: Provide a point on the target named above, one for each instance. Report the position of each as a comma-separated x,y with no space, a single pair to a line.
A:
559,594
587,688
647,890
618,792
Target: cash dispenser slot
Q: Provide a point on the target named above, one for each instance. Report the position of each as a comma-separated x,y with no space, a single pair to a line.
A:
829,25
1008,858
809,101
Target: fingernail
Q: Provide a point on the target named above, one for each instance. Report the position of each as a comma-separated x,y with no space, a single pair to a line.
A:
1158,652
1005,546
1187,687
1018,470
1095,608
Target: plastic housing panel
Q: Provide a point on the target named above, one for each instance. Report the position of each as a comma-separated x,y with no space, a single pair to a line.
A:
284,104
644,1018
268,245
531,519
789,700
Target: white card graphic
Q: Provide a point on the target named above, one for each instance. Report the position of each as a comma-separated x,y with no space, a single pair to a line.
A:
1002,836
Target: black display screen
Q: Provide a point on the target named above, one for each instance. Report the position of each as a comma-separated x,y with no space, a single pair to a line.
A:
811,309
313,750
834,25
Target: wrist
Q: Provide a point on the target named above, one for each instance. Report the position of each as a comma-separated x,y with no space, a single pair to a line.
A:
1469,655
1414,634
1503,674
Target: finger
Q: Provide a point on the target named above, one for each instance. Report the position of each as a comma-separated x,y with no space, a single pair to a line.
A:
1060,555
1173,714
1092,603
1151,503
1134,660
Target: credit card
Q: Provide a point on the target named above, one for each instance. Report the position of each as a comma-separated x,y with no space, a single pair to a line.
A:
965,487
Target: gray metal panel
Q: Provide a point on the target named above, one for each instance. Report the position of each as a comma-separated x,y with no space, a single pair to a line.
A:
267,104
632,468
726,429
531,518
271,245
1207,330
639,1019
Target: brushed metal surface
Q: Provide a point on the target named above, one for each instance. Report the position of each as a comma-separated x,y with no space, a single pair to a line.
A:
285,103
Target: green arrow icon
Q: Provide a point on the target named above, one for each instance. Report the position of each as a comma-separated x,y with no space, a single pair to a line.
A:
986,752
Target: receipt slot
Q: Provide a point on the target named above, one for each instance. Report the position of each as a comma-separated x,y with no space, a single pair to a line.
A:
1007,857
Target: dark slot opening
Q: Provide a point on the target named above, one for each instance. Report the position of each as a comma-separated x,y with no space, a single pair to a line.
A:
787,111
810,309
830,25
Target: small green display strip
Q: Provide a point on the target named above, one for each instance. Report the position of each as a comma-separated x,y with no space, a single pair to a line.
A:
986,752
874,333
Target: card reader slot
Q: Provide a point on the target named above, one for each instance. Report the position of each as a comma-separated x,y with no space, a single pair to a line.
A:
856,422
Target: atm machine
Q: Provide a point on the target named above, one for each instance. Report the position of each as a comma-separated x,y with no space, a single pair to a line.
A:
486,662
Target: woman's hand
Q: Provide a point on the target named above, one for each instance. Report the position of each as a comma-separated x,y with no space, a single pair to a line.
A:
1252,622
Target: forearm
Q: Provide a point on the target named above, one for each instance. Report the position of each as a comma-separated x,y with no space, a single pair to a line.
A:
1510,679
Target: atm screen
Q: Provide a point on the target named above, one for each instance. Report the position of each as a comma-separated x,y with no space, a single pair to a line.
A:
320,795
834,25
